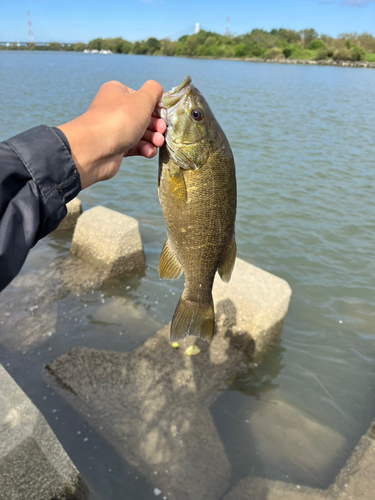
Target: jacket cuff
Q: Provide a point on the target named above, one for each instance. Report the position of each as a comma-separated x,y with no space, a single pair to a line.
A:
45,153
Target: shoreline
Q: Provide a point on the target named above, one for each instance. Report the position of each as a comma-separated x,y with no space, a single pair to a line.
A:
320,62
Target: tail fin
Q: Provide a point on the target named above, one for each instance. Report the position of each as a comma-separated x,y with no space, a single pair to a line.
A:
192,318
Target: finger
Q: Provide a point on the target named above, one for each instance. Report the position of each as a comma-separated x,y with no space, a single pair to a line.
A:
150,93
142,148
115,86
155,138
157,124
147,150
109,91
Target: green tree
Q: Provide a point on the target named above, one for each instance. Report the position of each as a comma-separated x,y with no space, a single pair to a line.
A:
289,36
241,50
317,45
79,47
167,47
54,46
95,44
287,52
366,41
115,45
308,35
191,44
139,48
152,45
305,44
274,53
126,47
181,49
357,53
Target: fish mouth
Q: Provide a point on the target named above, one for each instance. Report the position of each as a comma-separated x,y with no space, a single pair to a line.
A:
172,97
166,107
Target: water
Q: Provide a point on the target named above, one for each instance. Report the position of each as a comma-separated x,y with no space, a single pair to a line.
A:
303,142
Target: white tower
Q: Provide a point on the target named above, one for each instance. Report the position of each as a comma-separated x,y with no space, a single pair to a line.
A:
197,28
31,34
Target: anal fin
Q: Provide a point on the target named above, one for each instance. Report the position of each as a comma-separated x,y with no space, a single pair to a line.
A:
226,268
169,266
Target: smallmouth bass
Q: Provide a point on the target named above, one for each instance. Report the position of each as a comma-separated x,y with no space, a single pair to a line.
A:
197,193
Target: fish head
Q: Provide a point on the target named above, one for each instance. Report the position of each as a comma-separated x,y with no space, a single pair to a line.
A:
189,124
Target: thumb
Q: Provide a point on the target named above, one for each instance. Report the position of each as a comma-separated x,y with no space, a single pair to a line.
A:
149,94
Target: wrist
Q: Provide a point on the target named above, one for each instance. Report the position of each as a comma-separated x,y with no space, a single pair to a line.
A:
82,148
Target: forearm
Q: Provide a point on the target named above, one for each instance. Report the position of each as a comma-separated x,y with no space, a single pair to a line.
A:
37,178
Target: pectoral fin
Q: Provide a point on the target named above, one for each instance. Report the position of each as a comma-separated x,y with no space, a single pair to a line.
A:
169,266
176,183
226,268
182,160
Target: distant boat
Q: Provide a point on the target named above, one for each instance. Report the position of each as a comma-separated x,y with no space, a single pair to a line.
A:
95,51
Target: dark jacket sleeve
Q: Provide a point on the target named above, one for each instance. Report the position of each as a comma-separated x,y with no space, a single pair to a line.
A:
37,178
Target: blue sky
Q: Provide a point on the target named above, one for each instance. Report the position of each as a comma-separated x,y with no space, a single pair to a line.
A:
78,20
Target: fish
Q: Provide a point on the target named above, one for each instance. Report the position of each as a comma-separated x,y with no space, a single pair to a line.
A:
198,197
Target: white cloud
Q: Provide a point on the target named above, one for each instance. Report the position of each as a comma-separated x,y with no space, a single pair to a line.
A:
348,3
357,3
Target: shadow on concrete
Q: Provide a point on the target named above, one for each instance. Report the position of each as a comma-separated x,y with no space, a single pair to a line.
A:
152,405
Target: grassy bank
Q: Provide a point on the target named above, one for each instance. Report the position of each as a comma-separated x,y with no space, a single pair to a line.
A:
277,44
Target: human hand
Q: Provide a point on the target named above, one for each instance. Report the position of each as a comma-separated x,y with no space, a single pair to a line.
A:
119,122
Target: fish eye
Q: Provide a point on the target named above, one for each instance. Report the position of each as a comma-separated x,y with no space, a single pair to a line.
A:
197,115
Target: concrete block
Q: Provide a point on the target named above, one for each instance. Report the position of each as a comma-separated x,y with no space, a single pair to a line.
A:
253,304
145,404
108,241
33,464
159,398
283,436
355,481
30,310
74,211
255,488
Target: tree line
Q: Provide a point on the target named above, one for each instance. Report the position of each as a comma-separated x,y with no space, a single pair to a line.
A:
275,44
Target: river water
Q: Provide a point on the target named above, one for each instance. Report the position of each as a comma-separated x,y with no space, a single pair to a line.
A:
303,141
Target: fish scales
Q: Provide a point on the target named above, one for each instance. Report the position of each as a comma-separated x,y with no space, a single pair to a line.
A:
197,191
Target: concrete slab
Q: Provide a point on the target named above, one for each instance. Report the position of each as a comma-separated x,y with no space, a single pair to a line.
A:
74,208
152,404
287,439
33,464
109,241
256,488
128,315
253,304
356,480
105,244
145,404
30,311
